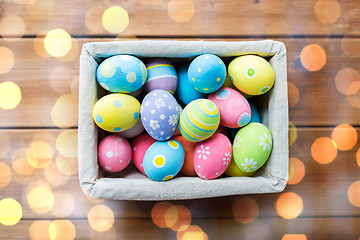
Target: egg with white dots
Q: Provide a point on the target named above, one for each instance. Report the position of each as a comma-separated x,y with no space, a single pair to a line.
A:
207,73
163,160
116,112
121,74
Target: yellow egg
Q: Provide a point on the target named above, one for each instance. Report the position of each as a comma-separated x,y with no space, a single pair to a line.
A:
116,112
234,171
251,74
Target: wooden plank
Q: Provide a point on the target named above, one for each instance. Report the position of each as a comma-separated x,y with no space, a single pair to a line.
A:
187,17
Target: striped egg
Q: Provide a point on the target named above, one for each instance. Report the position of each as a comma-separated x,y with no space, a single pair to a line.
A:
161,74
199,120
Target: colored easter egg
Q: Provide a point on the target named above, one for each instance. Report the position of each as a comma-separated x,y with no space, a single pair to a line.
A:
139,147
212,157
199,120
116,112
185,92
207,73
161,75
114,153
251,74
189,148
163,160
233,107
121,74
134,131
177,131
160,114
234,171
252,147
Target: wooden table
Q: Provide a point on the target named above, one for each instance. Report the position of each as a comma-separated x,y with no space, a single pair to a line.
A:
38,151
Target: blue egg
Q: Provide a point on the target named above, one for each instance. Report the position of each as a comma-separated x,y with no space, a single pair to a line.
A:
185,92
163,160
207,73
121,74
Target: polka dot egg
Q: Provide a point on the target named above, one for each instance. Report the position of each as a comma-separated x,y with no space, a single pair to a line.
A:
121,74
251,74
116,112
163,160
199,120
114,153
207,73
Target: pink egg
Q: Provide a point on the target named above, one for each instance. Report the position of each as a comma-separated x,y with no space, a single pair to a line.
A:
139,147
212,156
233,107
114,153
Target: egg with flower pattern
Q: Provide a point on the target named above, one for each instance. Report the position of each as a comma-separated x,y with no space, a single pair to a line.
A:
252,147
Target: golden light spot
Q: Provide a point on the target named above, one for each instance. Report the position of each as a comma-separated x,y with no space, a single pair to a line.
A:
289,205
43,153
323,150
344,80
358,157
354,99
296,171
245,210
108,235
327,11
12,27
67,143
44,136
313,57
354,193
74,52
93,19
158,213
191,233
57,42
183,218
115,19
272,7
151,2
62,230
7,60
292,133
74,87
351,46
171,215
54,176
39,230
67,166
5,145
181,11
64,204
293,93
101,218
10,95
10,212
20,163
320,29
40,197
278,28
294,237
5,175
39,45
65,111
41,9
60,79
344,136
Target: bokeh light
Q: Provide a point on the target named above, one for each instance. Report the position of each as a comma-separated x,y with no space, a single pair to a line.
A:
93,18
158,213
313,57
67,143
60,79
178,218
344,136
115,19
354,99
358,157
65,111
181,11
12,27
20,163
292,133
7,60
10,212
40,197
327,11
39,230
63,205
10,95
39,45
191,233
101,218
294,237
39,154
289,205
279,28
62,230
351,46
245,210
5,145
57,42
67,166
5,174
345,79
293,93
323,150
354,193
73,53
41,9
272,7
54,176
296,171
108,235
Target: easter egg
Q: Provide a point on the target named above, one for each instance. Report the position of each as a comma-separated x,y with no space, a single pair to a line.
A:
199,120
139,147
163,160
160,114
189,148
177,131
185,92
134,131
212,157
114,153
121,74
251,74
234,171
207,73
233,107
116,112
161,75
252,147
